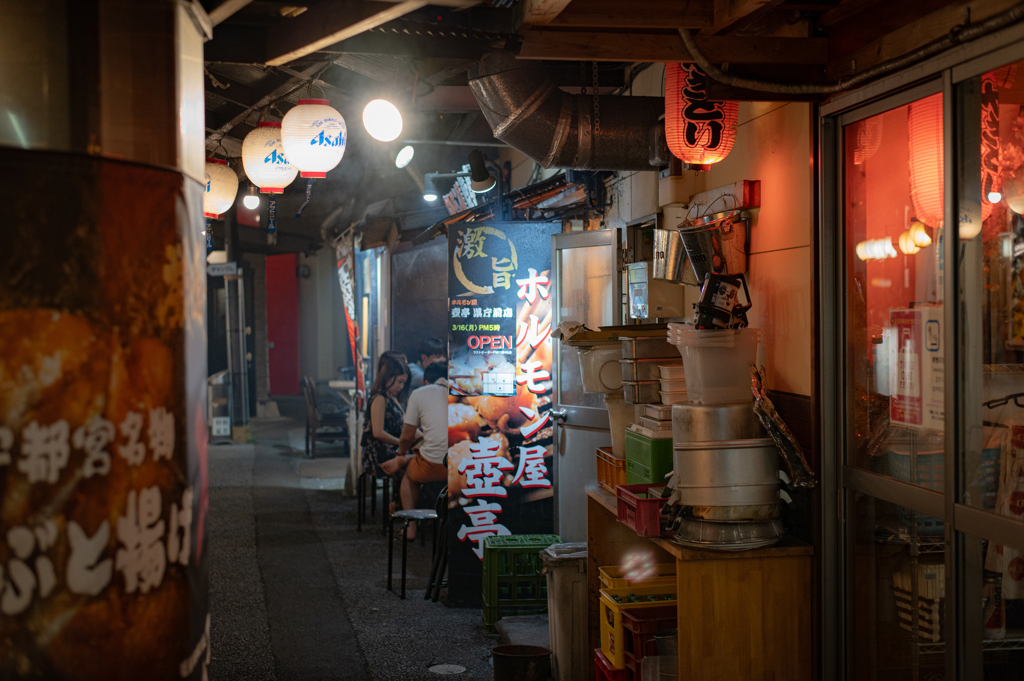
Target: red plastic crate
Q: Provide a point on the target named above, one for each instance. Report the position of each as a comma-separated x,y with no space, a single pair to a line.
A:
639,627
610,471
638,513
605,672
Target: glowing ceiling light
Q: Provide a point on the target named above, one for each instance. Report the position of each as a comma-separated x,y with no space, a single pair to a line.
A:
994,197
382,120
252,199
404,156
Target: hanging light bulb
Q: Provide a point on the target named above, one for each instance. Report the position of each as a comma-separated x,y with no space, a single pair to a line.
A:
252,199
221,187
994,197
907,244
313,135
919,233
382,120
876,249
404,156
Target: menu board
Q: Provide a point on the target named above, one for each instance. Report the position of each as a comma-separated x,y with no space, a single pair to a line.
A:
500,364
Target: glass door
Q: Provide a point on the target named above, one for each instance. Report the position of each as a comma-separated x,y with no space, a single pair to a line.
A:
587,290
988,476
922,377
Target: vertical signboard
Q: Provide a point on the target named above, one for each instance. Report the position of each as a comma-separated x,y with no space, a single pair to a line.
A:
103,438
499,369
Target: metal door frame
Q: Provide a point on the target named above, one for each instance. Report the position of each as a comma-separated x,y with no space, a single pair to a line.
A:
584,417
963,524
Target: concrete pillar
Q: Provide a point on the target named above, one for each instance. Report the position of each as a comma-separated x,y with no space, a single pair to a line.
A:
103,439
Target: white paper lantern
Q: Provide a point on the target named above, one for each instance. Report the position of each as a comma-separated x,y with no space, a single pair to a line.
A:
264,161
221,187
314,137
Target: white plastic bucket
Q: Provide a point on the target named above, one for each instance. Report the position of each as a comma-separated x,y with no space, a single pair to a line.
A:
600,368
716,363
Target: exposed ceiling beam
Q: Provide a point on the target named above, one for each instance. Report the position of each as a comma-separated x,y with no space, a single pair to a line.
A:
226,9
638,14
280,91
542,12
914,35
331,22
730,13
660,47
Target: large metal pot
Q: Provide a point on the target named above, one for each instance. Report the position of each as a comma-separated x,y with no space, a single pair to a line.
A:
727,473
709,422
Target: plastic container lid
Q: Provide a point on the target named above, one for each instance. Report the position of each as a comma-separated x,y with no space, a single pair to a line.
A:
557,554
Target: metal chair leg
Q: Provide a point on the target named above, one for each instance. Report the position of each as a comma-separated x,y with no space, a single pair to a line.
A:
440,573
391,551
434,567
373,495
385,502
405,550
360,501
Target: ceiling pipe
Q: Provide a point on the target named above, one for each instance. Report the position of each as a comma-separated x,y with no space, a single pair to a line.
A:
556,129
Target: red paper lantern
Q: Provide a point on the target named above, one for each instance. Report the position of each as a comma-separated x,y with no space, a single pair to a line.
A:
698,131
927,165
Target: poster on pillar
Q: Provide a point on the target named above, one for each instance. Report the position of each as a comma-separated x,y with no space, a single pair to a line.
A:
103,433
500,472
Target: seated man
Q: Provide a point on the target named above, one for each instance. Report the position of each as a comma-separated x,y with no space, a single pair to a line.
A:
431,350
428,410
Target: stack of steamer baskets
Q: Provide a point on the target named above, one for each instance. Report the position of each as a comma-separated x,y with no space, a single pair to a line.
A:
727,479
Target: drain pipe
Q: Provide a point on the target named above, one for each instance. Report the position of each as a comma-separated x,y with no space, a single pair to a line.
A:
559,130
956,36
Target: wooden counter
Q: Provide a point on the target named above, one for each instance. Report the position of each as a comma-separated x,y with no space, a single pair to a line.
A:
742,615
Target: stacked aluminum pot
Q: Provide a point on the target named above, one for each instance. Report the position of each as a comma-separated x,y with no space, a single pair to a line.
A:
727,473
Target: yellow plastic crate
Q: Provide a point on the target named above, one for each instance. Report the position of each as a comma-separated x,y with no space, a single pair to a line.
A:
611,576
612,640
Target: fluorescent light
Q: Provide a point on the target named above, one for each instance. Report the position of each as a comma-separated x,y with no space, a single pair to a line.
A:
382,120
404,156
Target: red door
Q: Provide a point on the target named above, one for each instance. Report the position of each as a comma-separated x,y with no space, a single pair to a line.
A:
283,324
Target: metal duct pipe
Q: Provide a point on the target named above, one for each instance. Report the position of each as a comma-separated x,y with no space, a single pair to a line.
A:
557,130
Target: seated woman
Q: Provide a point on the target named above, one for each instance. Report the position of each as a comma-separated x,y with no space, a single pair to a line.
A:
384,414
428,410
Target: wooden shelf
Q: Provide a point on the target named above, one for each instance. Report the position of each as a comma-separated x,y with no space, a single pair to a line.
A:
742,614
788,546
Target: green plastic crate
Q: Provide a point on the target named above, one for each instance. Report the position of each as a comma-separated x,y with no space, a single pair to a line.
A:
648,460
512,580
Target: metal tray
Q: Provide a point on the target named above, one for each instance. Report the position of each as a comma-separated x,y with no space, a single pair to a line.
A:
648,347
641,392
645,369
660,412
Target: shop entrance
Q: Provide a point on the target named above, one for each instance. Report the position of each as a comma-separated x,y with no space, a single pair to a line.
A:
587,290
923,358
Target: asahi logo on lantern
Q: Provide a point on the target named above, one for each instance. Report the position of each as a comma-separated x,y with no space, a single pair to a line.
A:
276,157
698,131
326,140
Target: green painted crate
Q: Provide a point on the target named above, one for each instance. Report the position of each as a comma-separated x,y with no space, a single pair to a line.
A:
512,580
648,460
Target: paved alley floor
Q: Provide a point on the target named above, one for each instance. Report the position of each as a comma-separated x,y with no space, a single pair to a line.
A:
297,594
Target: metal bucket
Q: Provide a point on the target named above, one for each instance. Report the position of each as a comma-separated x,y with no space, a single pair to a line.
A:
727,473
715,243
669,256
521,663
